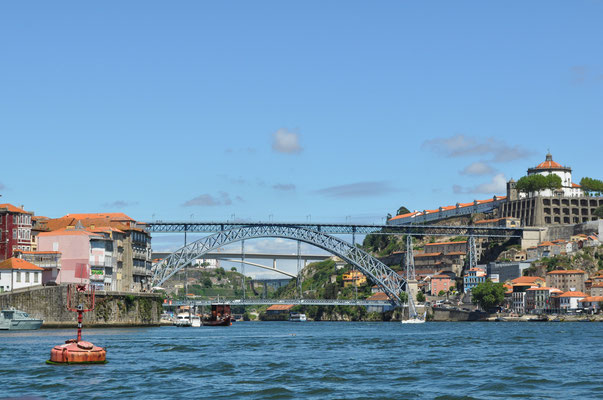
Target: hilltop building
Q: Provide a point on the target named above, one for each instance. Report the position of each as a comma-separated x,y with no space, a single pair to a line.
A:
567,205
18,274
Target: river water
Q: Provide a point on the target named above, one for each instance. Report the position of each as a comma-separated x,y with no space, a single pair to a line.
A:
315,360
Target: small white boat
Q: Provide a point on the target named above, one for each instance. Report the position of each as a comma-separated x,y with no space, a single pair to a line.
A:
196,321
183,320
297,317
415,320
13,319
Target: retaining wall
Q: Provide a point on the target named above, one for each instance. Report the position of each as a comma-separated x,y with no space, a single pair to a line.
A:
113,309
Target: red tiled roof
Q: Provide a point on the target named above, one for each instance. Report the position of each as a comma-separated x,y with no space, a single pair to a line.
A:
11,208
548,165
569,271
575,185
427,255
434,244
280,307
527,279
110,216
592,299
68,232
379,296
19,264
456,253
440,277
574,294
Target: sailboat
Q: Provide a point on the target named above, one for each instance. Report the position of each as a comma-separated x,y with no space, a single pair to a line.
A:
412,312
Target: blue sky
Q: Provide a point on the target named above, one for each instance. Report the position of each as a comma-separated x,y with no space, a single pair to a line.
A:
327,111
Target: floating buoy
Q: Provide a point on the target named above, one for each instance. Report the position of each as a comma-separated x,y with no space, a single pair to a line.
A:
78,351
74,352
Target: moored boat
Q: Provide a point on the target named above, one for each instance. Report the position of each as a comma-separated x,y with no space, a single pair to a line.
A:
183,320
220,316
13,319
297,317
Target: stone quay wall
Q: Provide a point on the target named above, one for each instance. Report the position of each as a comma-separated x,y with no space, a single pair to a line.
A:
112,309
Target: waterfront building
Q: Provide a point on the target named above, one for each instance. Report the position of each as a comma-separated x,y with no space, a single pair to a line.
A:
382,297
567,280
16,273
15,230
531,280
278,312
596,289
472,278
570,300
131,253
441,282
50,261
591,302
353,278
537,299
82,252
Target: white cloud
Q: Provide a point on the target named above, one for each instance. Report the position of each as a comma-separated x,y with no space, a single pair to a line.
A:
207,200
463,146
285,187
287,142
497,185
359,189
477,168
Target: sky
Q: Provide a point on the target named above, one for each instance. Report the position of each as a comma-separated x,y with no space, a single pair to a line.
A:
291,111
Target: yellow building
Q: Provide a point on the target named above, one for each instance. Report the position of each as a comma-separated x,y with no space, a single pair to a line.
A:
353,278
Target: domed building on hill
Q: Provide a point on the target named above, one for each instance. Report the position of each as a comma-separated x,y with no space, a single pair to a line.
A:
564,206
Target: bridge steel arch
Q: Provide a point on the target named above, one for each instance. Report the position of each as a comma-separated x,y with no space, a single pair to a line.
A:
384,277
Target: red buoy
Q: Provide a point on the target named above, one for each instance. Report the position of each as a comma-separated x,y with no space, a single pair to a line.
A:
78,351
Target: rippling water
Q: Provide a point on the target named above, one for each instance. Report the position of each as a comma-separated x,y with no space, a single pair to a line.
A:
321,360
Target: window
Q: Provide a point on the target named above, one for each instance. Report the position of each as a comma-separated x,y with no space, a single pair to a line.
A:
27,277
14,233
36,277
18,276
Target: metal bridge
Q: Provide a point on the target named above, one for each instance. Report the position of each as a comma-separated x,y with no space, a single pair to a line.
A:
319,235
250,302
339,229
390,282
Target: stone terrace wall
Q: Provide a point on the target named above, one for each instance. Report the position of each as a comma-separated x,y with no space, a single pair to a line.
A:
113,309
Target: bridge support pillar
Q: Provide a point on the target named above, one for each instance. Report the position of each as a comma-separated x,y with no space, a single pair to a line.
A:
412,289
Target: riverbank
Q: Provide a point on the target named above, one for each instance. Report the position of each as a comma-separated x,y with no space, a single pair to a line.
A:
112,309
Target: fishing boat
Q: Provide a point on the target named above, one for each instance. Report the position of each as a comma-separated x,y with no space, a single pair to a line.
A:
13,319
220,316
297,317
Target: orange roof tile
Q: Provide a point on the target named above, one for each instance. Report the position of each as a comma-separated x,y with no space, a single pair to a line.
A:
68,232
527,279
574,294
440,277
434,244
427,254
568,271
37,252
592,299
456,253
110,216
379,296
280,307
11,208
19,264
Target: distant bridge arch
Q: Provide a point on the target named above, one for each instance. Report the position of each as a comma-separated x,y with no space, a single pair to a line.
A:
384,277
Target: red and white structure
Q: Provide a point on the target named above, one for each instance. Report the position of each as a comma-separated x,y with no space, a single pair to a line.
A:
15,230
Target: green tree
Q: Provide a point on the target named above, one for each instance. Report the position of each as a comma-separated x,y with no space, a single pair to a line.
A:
207,282
591,186
488,294
420,297
599,212
441,293
402,210
535,183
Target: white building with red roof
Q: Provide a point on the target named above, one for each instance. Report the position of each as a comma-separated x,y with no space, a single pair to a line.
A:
550,167
16,273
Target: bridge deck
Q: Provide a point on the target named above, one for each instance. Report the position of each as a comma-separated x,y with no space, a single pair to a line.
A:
251,302
341,229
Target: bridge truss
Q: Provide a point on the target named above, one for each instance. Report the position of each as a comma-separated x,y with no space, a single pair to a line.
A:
384,277
339,229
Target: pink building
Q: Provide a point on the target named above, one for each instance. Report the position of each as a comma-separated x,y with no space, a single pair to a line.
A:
439,283
78,251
